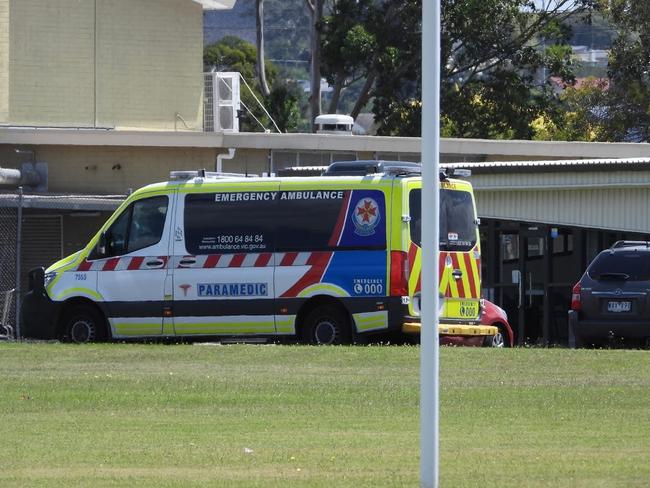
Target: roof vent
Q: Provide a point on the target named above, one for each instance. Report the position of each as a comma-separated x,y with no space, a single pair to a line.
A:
334,124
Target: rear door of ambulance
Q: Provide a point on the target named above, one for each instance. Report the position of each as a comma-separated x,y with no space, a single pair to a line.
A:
459,258
223,259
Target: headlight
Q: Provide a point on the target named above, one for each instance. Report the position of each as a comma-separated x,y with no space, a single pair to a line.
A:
47,279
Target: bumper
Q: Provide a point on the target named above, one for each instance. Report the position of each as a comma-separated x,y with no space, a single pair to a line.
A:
453,329
39,315
587,330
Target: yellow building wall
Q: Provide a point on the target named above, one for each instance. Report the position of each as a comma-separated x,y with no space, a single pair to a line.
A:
4,61
127,64
150,67
51,62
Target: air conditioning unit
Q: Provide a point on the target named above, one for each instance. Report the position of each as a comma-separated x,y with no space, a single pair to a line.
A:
221,101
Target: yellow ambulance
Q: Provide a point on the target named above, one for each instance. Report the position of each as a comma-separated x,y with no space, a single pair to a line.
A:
327,260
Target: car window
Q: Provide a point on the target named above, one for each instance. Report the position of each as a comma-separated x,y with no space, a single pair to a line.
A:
628,266
229,222
457,220
147,223
140,225
117,234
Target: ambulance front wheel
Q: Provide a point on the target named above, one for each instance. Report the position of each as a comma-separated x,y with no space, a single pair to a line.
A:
326,325
83,324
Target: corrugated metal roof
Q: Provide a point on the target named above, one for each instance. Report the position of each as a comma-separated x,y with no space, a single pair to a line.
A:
553,166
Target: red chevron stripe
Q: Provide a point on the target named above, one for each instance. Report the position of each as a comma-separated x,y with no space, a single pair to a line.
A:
212,261
288,258
338,229
84,265
470,272
459,283
237,260
413,251
111,264
135,263
318,262
263,260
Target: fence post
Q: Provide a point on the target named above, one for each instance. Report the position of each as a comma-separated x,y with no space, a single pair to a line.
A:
19,242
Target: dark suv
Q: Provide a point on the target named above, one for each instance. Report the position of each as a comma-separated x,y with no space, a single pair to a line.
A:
612,299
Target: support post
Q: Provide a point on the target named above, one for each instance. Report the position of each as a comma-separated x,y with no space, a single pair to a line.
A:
429,341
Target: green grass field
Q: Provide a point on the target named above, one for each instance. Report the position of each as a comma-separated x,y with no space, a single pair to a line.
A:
242,415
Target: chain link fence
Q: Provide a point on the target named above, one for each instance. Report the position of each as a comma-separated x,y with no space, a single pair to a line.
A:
38,230
10,205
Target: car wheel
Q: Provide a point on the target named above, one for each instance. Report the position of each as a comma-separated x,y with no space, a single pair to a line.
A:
326,325
504,334
497,340
83,324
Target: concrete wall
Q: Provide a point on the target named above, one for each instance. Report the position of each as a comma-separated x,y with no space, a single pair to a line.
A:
105,63
113,170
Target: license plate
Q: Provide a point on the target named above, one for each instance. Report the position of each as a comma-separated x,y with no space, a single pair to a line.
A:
619,306
461,309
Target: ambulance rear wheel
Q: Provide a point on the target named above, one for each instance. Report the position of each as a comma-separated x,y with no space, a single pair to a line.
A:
83,324
326,325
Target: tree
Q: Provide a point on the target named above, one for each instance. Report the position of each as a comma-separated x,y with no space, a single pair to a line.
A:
259,28
316,10
629,71
583,115
493,53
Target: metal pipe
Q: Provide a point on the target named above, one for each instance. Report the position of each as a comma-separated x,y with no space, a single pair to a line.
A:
12,178
220,157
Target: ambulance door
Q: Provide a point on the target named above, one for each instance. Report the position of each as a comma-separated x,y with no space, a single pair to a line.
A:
223,261
133,274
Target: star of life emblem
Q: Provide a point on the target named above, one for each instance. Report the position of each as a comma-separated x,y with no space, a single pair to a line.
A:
365,217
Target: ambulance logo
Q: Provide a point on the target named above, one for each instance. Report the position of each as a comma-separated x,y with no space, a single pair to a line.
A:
365,217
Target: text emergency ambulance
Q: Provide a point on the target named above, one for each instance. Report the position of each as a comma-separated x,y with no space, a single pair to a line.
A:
326,259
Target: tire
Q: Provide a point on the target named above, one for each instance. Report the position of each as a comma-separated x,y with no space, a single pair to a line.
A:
326,325
497,340
83,324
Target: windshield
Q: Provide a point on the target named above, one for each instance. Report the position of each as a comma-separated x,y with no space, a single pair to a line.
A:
457,219
624,266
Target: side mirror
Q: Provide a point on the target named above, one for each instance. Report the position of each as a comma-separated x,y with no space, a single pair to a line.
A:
36,278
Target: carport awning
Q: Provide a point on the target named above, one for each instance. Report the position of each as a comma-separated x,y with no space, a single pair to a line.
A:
602,194
89,203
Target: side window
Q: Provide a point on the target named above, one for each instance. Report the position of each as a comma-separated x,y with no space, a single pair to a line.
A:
225,223
140,225
147,222
116,235
334,219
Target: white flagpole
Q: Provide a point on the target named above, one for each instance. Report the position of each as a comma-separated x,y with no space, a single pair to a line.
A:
429,342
